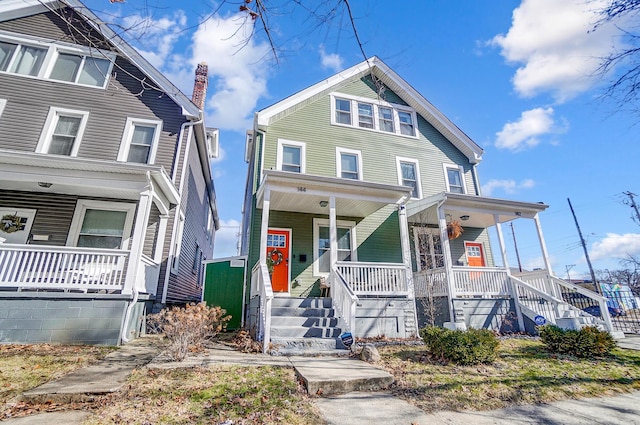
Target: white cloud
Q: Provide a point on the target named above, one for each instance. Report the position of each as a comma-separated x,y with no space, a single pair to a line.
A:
615,246
226,241
331,61
507,186
525,133
556,47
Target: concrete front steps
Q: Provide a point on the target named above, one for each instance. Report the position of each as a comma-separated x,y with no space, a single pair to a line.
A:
305,327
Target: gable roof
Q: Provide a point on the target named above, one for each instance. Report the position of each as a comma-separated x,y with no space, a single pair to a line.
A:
14,9
392,80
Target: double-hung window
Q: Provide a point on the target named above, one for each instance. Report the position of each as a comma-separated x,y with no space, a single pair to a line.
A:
349,164
100,224
140,141
409,175
62,132
406,123
343,111
454,180
365,115
291,156
321,243
385,118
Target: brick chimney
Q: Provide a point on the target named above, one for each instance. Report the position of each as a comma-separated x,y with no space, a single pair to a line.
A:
200,85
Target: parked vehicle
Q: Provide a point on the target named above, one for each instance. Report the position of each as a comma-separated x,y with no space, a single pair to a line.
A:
615,309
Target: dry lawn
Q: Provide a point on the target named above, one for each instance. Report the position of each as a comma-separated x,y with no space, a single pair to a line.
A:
524,373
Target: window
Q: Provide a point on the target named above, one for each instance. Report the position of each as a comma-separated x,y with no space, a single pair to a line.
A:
321,243
453,176
409,175
197,258
100,224
42,59
177,244
343,111
365,113
140,141
428,248
62,132
291,156
349,164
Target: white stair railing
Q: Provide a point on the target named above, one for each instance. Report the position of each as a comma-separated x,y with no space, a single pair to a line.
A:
261,286
344,300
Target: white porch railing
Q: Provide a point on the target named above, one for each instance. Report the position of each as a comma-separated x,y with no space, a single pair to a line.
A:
344,299
261,286
541,280
377,279
61,267
148,274
483,281
431,282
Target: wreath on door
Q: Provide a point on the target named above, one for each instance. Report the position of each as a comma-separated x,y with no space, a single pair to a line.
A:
11,223
276,256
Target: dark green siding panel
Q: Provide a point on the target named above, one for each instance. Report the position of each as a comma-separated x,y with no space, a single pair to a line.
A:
223,288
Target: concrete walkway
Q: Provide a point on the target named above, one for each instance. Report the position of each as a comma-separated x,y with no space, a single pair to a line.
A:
343,400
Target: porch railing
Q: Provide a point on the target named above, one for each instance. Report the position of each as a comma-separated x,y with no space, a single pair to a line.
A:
376,279
261,286
431,283
344,299
61,267
483,281
148,274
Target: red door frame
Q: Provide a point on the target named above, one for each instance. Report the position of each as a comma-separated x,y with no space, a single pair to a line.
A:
483,260
279,284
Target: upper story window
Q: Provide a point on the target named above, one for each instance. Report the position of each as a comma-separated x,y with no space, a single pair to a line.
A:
291,156
453,177
409,175
140,141
46,60
62,132
349,164
366,113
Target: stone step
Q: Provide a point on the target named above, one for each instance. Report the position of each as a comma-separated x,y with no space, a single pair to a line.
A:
302,311
307,346
306,322
316,302
299,331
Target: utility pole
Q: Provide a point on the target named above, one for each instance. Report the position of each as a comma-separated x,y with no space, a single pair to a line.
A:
584,247
516,245
568,268
631,202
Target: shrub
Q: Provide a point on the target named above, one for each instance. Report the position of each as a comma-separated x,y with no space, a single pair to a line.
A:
588,342
189,327
473,346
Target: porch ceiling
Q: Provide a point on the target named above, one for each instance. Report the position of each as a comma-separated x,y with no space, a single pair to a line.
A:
481,211
304,193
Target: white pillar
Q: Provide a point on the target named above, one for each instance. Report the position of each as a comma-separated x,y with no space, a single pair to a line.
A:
264,228
503,248
137,240
505,261
162,231
448,261
404,236
543,245
333,233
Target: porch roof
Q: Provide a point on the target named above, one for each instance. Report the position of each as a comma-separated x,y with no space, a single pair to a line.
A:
481,211
303,193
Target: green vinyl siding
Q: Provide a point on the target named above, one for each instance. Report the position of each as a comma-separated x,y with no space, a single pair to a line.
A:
471,234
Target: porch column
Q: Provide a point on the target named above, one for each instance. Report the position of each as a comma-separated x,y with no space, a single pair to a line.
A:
552,287
448,263
264,228
505,261
333,233
162,231
137,240
406,250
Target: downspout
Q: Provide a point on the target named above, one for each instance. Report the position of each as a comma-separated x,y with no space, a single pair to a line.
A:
180,138
476,180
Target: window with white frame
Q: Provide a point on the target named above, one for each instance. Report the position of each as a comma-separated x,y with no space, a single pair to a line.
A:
374,115
321,243
409,175
349,164
140,141
291,156
177,244
454,178
101,224
62,132
48,60
428,248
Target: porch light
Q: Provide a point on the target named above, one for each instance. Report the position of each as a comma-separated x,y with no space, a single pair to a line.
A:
464,217
45,184
324,203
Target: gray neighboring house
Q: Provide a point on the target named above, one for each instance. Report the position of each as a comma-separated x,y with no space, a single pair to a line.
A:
107,203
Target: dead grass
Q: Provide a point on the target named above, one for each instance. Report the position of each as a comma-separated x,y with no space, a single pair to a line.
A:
23,367
524,373
212,395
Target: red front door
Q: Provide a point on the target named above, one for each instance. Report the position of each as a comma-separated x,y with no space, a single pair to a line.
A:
475,254
278,242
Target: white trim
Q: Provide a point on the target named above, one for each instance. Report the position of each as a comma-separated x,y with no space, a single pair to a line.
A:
50,125
3,103
176,246
84,204
416,164
127,135
317,222
339,152
303,154
445,168
375,103
482,252
290,232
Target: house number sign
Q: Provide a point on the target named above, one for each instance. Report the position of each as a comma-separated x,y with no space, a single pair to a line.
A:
302,189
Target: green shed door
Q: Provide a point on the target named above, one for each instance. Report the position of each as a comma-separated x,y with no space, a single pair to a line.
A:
223,286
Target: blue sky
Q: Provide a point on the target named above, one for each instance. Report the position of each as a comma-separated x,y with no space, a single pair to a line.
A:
516,76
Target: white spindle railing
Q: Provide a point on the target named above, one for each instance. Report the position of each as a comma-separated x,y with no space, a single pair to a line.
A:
344,300
376,278
431,282
485,281
261,286
541,280
61,267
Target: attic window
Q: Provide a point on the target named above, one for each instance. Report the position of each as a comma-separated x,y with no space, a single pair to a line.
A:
373,115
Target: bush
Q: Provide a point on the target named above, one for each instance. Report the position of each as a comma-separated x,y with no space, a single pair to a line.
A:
189,327
473,346
588,342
